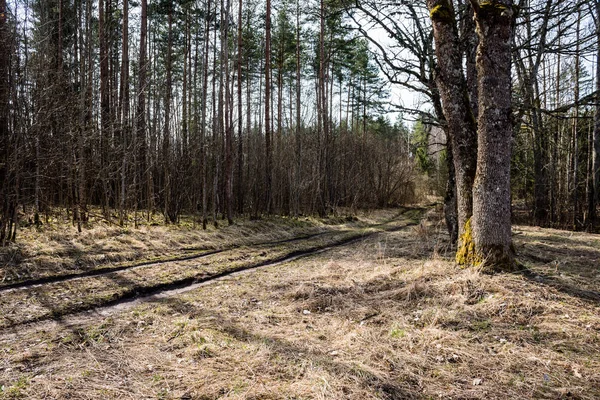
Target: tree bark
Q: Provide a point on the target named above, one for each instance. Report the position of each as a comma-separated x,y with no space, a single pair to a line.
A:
124,108
104,102
452,86
228,125
298,115
324,123
169,208
203,169
450,204
268,150
216,126
141,109
575,155
596,138
4,132
491,222
240,166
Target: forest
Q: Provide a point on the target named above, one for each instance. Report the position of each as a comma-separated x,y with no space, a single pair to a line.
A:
418,177
176,110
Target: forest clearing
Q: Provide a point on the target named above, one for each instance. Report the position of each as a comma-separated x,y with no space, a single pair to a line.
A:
386,316
290,199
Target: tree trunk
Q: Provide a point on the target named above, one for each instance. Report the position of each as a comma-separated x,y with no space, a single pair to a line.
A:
104,103
216,118
184,90
461,124
169,208
298,115
203,169
450,205
4,111
596,139
324,123
249,115
491,222
575,155
240,166
228,126
269,155
278,184
470,42
557,182
141,108
124,107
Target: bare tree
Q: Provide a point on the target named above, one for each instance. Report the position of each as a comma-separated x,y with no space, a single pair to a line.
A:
268,149
596,137
5,39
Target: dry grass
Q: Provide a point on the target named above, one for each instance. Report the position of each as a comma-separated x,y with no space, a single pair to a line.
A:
57,248
389,318
57,299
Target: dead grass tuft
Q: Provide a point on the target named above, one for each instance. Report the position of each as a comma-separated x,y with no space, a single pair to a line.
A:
414,292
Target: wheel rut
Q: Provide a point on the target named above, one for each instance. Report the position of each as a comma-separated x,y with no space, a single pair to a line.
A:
30,283
81,295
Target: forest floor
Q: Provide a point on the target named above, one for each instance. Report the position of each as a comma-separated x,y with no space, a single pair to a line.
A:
371,307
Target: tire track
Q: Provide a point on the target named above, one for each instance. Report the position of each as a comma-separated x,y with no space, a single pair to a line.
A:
31,283
139,293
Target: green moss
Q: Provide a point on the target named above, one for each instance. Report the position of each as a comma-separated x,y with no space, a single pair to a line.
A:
481,326
14,391
397,332
494,8
440,12
492,4
493,258
466,254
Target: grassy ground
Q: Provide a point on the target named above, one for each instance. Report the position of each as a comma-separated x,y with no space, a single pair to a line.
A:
36,302
56,248
389,317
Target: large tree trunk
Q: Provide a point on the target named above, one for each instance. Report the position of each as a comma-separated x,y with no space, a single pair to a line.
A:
461,124
491,244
